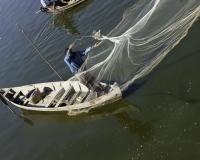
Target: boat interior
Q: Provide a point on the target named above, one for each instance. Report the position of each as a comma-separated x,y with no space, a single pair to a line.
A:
55,94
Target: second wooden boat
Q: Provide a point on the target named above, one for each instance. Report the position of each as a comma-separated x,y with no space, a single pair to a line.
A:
58,9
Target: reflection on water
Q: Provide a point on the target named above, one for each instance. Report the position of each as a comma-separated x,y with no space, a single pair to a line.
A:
28,121
66,20
134,126
118,107
3,100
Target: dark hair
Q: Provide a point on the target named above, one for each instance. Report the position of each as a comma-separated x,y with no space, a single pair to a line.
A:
65,50
72,54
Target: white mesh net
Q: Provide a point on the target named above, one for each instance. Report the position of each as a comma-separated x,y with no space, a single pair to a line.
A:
96,34
147,32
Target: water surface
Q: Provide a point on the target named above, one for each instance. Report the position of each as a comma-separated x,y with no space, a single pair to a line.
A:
167,126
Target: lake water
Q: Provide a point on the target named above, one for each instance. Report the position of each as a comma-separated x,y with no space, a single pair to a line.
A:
167,126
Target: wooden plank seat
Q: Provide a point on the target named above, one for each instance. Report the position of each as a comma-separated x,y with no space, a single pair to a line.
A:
16,95
55,97
8,91
77,93
82,96
65,96
92,95
25,102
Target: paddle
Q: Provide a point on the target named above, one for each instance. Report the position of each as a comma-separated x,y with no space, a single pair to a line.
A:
38,11
6,104
39,52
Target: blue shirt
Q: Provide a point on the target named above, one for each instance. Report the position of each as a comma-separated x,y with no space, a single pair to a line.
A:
76,63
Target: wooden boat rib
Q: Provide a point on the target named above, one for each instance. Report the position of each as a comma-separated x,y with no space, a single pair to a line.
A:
58,9
71,96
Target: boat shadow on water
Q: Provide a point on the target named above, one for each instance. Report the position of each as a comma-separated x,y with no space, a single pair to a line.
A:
119,106
121,110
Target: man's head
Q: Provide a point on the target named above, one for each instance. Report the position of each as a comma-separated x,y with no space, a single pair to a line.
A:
65,51
71,54
69,48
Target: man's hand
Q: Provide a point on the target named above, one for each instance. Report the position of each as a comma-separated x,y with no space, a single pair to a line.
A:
48,7
71,46
97,44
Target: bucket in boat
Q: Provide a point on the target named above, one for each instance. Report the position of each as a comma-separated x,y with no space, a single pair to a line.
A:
34,96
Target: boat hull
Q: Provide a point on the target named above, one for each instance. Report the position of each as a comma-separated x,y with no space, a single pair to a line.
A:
113,95
59,9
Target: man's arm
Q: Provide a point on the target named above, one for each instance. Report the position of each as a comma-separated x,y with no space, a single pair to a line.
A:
97,44
87,50
71,46
68,62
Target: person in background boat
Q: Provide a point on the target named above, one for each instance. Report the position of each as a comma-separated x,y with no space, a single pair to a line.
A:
74,61
49,3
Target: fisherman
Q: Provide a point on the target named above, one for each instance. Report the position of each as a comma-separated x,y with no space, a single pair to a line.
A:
49,3
75,62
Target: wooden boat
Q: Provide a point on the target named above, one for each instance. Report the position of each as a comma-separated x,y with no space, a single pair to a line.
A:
58,9
71,96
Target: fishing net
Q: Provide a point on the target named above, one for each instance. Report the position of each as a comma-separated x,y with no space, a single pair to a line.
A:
148,31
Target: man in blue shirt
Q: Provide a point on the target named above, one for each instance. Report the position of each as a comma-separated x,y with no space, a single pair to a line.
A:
74,61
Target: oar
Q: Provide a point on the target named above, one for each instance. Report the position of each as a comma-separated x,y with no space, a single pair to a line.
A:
38,11
39,52
6,104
